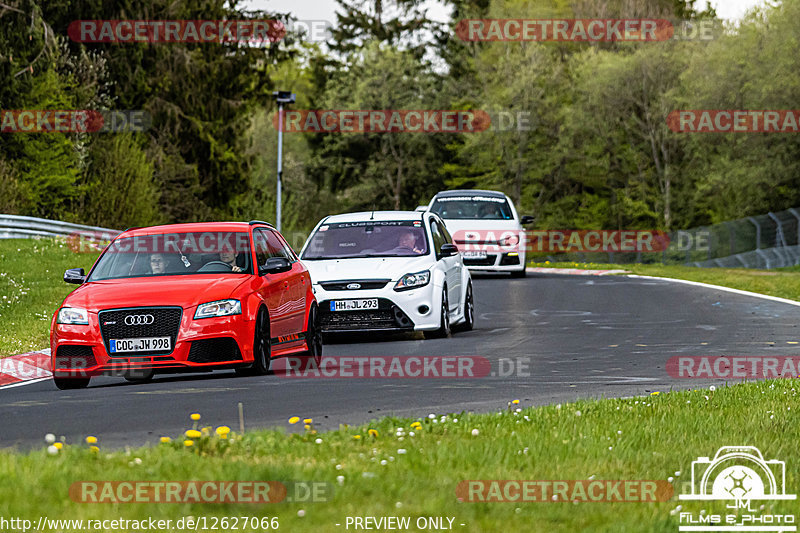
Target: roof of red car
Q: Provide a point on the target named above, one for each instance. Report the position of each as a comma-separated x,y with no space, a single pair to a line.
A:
189,227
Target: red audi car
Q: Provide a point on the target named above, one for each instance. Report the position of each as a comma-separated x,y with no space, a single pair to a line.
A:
185,297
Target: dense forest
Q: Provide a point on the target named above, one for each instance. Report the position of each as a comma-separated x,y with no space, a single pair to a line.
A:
597,151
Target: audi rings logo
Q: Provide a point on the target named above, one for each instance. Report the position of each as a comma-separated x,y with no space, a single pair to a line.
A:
139,320
353,286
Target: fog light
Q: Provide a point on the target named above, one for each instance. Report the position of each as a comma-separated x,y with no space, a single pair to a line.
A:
423,309
512,254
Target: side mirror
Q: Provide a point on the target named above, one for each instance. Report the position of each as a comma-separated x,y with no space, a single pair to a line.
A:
448,250
75,275
526,219
275,265
422,208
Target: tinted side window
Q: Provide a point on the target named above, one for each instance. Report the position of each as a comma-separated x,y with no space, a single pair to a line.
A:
438,236
445,233
261,247
277,248
290,255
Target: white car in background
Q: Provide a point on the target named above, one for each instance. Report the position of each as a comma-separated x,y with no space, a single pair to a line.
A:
486,228
388,271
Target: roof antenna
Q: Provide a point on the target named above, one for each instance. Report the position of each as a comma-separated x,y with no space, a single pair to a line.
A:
372,216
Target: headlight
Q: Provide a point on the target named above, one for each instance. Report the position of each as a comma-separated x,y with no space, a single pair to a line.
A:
73,315
412,281
219,308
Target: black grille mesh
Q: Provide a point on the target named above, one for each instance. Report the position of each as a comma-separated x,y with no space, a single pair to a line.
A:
214,350
74,357
166,322
489,261
365,284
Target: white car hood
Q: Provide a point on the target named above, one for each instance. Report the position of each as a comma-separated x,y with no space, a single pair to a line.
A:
366,268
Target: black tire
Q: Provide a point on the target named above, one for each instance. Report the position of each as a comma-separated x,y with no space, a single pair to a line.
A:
469,311
444,320
519,273
262,348
71,383
314,336
139,376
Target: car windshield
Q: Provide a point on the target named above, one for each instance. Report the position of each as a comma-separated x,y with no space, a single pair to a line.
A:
170,254
472,207
392,238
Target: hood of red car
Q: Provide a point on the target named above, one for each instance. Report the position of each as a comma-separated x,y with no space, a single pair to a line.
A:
183,291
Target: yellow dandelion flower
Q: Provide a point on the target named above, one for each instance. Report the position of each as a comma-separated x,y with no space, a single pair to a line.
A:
656,393
294,420
91,440
58,445
94,449
195,416
165,440
188,443
308,421
223,430
515,402
357,437
307,426
373,432
193,434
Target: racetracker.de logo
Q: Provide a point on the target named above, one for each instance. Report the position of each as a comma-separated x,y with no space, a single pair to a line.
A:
215,492
382,121
733,367
562,241
561,30
73,121
581,491
176,31
384,367
734,121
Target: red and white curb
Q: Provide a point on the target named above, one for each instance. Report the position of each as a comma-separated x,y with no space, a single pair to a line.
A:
574,271
25,368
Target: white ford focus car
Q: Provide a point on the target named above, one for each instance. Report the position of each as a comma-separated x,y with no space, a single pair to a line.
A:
486,228
388,271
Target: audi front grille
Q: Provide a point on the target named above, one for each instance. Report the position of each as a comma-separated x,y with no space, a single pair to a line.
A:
135,322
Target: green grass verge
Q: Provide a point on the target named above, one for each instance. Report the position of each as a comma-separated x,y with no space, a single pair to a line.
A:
31,288
784,283
649,438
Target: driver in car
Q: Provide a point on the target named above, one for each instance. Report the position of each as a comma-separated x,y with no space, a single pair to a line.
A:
158,264
229,258
407,243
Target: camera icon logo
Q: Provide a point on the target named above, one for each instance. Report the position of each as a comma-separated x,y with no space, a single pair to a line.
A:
738,473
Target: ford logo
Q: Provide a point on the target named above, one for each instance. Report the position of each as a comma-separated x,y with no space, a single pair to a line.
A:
139,320
353,286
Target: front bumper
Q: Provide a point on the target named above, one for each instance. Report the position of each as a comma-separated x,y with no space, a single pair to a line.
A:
82,351
411,310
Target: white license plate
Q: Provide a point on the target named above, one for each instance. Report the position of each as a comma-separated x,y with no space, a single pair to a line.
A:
354,305
474,255
144,344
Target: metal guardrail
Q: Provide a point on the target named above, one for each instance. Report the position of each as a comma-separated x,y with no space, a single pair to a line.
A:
20,227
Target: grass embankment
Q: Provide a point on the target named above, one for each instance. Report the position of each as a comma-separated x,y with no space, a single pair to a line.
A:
784,282
31,288
651,438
